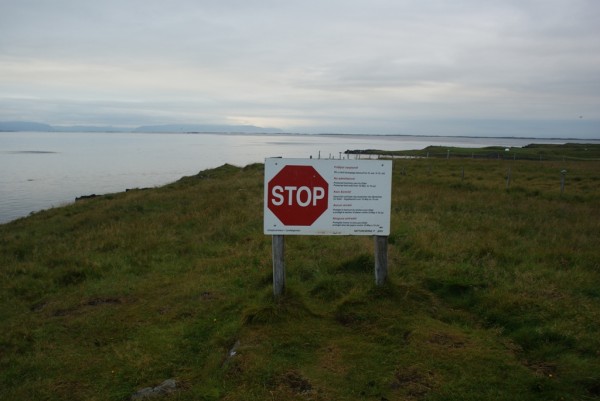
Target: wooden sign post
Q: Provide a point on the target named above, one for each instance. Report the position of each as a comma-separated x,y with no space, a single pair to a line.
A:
381,265
278,265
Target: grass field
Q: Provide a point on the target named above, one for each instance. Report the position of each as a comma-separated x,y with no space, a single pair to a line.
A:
563,152
493,292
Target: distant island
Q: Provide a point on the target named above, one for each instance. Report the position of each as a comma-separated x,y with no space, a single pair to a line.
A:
18,126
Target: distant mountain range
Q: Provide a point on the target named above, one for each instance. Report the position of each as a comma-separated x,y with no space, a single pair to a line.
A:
16,126
24,126
206,128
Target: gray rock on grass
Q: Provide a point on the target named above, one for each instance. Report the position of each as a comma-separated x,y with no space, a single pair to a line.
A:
166,387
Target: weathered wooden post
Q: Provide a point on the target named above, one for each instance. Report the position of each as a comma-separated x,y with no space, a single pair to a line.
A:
562,181
508,179
381,259
278,265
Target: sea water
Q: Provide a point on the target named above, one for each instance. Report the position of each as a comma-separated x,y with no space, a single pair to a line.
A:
40,170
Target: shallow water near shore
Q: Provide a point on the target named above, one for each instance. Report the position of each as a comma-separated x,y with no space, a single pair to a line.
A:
40,170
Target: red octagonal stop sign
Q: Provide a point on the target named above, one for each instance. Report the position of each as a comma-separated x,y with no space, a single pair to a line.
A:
297,195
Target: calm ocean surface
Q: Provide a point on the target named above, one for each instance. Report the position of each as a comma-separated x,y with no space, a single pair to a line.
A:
39,170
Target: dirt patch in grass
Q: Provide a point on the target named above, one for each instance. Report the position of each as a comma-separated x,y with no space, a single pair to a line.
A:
447,340
413,382
332,361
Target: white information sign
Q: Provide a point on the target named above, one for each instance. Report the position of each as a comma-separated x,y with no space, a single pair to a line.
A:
327,197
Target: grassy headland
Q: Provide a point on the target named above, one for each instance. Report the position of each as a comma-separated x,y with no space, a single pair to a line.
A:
494,293
569,151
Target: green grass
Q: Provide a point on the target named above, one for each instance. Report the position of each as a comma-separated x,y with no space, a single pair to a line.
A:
568,151
494,293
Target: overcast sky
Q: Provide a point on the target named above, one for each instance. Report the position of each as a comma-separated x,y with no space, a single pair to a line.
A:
460,67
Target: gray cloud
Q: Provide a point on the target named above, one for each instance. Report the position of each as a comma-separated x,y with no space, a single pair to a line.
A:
377,66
